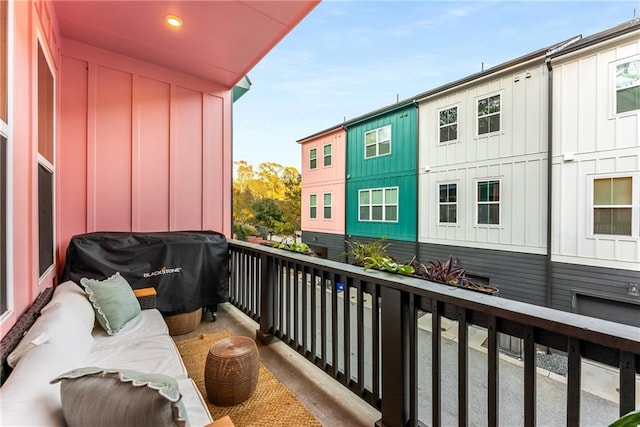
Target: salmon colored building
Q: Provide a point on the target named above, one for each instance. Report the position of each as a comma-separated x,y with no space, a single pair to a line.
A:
323,191
112,120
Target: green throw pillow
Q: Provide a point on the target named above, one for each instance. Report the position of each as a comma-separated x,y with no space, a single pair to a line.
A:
113,301
101,397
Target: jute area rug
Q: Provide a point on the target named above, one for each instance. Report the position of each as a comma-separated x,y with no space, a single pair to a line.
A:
272,404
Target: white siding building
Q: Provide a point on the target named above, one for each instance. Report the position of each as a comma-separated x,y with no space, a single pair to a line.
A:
560,230
595,184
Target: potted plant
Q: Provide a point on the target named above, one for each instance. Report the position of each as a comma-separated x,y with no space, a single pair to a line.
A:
449,273
373,255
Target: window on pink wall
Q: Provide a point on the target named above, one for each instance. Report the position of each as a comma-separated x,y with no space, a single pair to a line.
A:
3,224
4,86
327,155
4,163
46,171
326,206
313,206
313,158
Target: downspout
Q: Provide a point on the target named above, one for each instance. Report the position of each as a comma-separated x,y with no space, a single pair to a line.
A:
346,199
417,198
549,275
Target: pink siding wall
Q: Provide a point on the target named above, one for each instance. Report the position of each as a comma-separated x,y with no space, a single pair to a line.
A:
156,145
325,179
31,22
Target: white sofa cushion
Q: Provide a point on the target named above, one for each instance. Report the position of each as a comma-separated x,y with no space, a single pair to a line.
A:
73,296
148,323
58,326
27,398
194,403
147,354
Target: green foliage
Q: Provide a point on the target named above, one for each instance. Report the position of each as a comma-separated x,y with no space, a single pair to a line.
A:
360,251
242,230
267,213
295,247
632,419
269,196
387,264
374,255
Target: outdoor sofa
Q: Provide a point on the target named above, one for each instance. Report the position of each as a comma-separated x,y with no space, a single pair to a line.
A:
68,370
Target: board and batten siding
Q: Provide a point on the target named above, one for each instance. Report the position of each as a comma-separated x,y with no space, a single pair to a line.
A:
397,169
591,141
516,155
143,148
322,180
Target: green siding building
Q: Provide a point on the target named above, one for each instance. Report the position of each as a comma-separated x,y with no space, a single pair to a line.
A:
381,182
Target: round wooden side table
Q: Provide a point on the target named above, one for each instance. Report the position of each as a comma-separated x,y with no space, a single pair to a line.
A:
231,371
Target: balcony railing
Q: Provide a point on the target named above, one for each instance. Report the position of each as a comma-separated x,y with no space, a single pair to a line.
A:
380,335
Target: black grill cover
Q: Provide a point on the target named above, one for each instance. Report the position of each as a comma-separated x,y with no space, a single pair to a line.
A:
188,269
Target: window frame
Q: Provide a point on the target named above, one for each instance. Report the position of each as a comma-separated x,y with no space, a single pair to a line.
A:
378,142
634,206
478,203
6,251
456,123
614,86
448,203
478,117
384,204
313,158
325,206
325,155
313,206
47,275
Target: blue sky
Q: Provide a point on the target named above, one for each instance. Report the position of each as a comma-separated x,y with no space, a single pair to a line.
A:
347,58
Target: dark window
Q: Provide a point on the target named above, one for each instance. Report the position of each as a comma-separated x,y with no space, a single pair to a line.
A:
448,203
489,202
489,114
3,224
45,218
449,124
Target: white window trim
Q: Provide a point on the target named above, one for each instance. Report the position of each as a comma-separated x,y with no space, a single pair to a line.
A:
384,204
476,117
457,184
313,206
5,129
324,156
457,122
614,91
635,207
316,158
476,203
47,277
325,206
377,143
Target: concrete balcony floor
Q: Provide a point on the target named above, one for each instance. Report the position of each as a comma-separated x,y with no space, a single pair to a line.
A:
329,402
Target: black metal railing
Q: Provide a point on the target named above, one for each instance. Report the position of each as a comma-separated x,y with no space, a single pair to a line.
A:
362,328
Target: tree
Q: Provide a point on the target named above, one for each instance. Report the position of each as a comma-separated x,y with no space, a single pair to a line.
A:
268,196
268,214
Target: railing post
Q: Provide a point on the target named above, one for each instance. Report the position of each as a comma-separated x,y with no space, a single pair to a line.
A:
265,333
396,358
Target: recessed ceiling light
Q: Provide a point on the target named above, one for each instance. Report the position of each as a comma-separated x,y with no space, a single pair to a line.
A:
173,21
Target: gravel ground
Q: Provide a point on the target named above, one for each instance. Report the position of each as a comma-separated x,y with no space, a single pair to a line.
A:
555,363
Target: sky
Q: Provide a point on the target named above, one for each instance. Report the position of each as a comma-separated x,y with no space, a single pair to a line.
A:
349,57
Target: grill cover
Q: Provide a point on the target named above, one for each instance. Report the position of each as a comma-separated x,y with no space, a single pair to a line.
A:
188,269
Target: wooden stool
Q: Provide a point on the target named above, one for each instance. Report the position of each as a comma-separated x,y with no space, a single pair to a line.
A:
231,371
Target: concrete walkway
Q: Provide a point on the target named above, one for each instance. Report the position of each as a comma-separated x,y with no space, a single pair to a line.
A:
597,379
